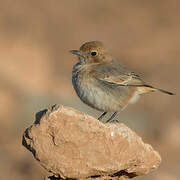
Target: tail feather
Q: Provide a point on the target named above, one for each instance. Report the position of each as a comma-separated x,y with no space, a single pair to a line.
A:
147,88
161,90
164,91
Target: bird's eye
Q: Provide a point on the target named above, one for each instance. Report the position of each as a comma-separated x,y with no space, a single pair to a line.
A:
93,53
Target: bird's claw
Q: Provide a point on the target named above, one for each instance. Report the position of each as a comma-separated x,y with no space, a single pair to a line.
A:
114,121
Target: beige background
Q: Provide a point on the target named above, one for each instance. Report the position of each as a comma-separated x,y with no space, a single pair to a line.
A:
35,70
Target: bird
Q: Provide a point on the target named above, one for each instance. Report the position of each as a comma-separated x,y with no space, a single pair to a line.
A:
103,83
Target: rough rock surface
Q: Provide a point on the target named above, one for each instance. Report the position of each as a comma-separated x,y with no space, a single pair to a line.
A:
71,144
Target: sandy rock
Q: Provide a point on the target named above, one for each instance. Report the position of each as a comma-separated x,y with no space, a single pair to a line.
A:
71,144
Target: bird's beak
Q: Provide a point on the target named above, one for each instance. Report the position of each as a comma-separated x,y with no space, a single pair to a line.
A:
76,52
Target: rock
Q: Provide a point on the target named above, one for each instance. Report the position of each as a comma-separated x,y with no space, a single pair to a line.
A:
71,144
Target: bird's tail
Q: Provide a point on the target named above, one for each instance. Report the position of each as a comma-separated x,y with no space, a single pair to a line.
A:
164,91
148,88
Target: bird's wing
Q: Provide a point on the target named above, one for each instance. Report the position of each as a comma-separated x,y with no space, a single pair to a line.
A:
116,74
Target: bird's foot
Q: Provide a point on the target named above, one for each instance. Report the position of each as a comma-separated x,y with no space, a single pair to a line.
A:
114,121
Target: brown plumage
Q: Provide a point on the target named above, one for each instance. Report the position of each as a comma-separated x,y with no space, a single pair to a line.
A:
103,83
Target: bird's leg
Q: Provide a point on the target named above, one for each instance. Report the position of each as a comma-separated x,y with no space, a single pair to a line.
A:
102,115
112,117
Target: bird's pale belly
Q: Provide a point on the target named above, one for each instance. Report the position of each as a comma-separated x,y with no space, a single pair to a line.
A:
101,99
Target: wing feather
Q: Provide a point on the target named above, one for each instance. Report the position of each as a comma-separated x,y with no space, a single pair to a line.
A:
116,74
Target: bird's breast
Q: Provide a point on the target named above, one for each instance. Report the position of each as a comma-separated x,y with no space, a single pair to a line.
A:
92,93
86,89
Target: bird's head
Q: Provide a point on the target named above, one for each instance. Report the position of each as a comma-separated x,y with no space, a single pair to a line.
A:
92,52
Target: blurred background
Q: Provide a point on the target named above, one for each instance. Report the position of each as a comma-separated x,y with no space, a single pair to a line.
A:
35,70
